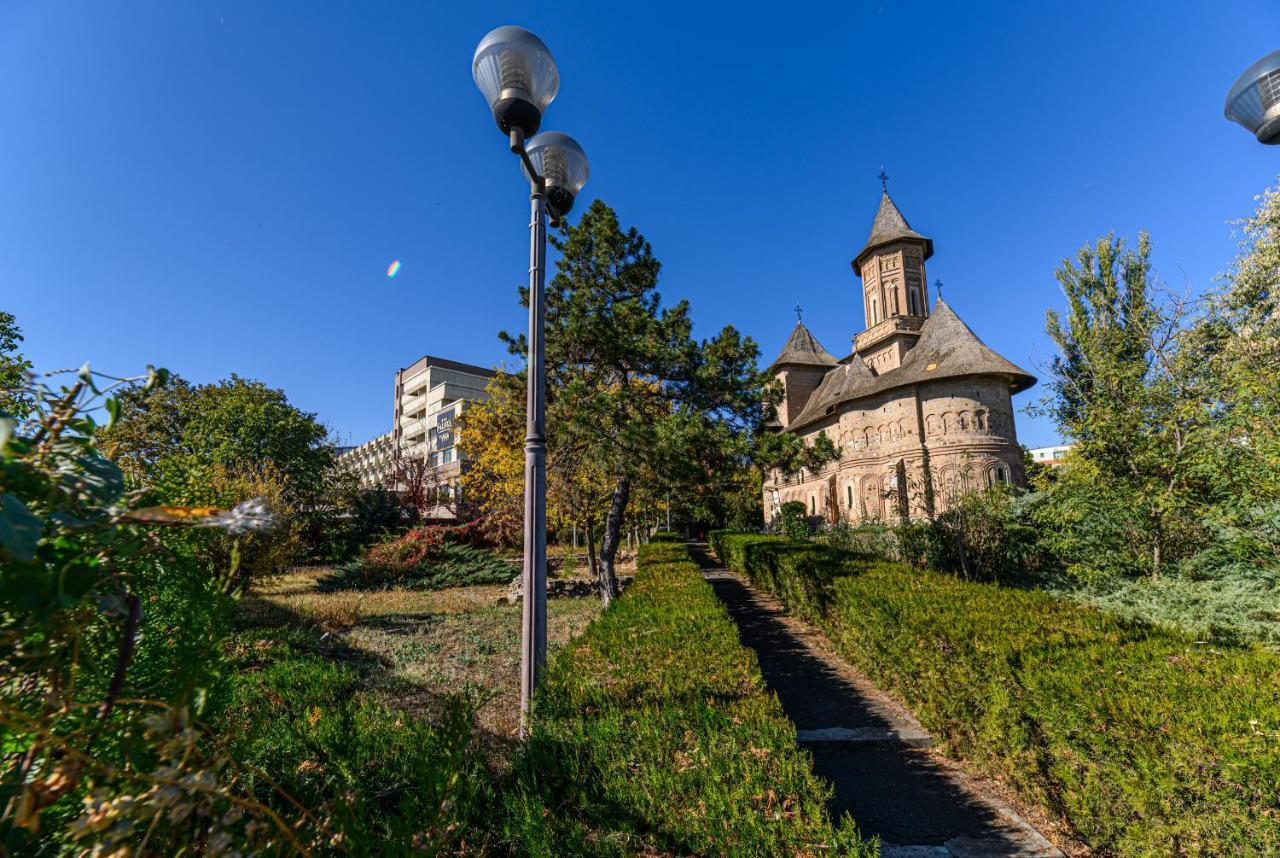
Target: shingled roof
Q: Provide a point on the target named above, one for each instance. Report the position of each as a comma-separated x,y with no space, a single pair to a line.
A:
803,348
947,348
889,226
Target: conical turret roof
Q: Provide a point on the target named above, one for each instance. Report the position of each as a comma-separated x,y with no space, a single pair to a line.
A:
803,348
889,226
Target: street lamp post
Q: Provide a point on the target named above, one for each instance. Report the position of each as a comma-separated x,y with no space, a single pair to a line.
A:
517,76
1254,99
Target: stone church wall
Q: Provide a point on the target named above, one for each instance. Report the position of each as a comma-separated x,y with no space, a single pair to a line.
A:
964,425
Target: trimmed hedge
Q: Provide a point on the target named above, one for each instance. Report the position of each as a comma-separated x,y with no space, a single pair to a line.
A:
666,536
1145,741
654,731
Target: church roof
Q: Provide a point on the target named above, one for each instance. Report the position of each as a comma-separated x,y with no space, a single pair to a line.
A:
889,226
947,348
802,347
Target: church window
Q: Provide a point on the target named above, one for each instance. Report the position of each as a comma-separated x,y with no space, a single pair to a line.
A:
914,300
1002,474
875,310
980,420
848,493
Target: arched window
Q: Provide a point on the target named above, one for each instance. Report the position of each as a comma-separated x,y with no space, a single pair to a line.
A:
913,299
875,310
1002,474
813,504
848,493
980,420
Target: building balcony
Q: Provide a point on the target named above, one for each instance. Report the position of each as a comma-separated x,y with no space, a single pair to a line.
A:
881,331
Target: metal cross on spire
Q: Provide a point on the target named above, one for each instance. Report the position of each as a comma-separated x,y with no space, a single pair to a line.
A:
799,310
884,179
937,284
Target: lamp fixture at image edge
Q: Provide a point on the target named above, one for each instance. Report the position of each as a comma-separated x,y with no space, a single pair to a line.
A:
1254,99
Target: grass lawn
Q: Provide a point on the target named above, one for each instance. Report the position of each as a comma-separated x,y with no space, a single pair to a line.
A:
414,646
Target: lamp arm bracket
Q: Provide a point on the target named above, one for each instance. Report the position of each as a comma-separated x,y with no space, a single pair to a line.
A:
537,184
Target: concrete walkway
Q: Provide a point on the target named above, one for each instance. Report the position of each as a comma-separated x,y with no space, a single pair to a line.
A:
869,748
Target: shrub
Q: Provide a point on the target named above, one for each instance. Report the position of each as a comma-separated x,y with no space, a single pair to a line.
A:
1142,740
795,520
449,566
986,536
654,732
666,536
870,539
427,558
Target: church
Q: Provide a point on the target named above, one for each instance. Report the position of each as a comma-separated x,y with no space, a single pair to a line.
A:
921,409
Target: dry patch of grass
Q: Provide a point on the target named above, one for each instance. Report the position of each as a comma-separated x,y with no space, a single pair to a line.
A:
434,642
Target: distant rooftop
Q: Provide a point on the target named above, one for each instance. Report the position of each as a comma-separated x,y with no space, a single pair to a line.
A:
444,363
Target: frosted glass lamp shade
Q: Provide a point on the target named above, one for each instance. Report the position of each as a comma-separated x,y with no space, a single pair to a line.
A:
561,162
515,72
1254,100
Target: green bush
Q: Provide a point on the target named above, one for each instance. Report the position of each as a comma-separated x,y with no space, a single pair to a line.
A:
654,732
666,536
870,539
1144,741
425,558
453,566
795,521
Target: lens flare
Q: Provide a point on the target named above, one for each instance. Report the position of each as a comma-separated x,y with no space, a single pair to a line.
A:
393,269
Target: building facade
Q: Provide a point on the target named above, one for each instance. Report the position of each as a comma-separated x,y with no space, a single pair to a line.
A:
429,396
1051,456
373,462
921,409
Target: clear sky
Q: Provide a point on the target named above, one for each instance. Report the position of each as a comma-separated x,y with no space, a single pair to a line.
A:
219,187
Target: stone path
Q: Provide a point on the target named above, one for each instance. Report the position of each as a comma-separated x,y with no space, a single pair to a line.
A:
870,749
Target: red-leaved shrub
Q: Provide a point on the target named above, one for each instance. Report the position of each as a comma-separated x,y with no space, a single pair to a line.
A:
421,545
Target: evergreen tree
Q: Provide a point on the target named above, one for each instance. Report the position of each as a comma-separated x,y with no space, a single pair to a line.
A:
626,380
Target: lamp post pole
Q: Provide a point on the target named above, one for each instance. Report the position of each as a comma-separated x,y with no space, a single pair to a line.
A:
517,76
533,637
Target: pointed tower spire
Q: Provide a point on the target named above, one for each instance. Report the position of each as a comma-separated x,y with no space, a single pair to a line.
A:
889,226
802,348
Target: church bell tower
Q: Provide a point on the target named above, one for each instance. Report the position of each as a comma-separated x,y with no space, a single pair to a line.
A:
895,291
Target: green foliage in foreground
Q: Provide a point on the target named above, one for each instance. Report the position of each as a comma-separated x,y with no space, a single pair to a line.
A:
1144,741
655,727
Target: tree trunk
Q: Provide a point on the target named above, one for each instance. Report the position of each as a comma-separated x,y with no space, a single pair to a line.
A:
1157,545
592,562
611,538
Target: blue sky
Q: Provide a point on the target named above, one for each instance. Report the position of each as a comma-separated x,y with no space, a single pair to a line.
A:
219,187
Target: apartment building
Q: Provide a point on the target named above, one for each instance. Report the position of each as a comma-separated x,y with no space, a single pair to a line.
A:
373,462
430,395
